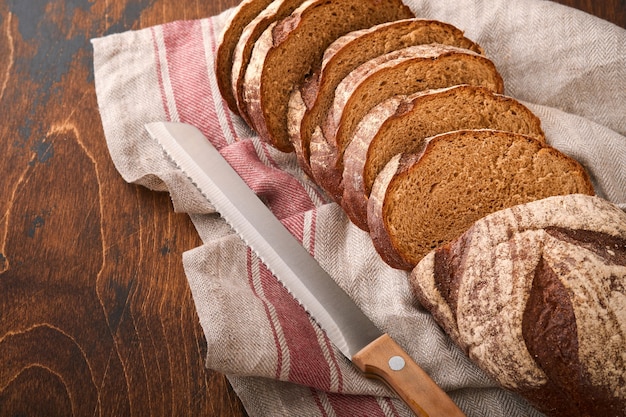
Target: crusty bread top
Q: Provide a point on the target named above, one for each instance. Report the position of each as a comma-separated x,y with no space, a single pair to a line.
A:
354,49
240,17
404,71
576,212
276,11
401,125
420,202
529,292
287,52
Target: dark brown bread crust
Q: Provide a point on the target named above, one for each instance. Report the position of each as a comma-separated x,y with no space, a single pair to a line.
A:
292,49
574,249
242,15
551,335
549,330
448,261
352,50
377,226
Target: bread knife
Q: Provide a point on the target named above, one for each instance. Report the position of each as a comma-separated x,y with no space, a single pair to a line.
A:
375,353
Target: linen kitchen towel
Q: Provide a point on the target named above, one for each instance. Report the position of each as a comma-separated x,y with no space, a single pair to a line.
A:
567,66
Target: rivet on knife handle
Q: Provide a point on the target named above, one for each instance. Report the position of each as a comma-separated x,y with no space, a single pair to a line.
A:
385,359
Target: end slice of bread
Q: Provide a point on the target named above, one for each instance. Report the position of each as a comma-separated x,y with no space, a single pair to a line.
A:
274,12
311,103
402,72
402,124
291,49
420,202
528,293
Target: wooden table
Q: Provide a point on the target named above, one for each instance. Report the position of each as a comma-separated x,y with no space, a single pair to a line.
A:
96,316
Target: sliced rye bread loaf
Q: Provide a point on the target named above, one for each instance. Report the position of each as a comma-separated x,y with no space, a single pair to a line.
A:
291,49
405,71
238,20
309,105
420,202
276,11
535,295
402,125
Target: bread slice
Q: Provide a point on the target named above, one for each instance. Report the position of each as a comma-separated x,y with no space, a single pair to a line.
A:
240,17
405,71
291,49
402,124
535,296
276,11
346,54
420,202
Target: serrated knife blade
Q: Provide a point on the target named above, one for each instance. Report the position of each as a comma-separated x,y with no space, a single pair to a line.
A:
349,329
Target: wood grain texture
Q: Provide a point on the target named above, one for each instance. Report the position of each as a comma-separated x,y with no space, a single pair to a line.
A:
384,359
96,316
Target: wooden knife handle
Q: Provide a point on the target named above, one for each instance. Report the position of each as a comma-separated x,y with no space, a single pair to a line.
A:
386,360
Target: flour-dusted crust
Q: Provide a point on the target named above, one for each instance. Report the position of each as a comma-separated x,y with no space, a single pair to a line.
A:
240,17
404,71
354,199
275,11
397,126
251,93
536,296
381,236
295,112
423,201
354,49
292,49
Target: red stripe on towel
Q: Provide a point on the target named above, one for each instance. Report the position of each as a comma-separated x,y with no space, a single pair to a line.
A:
355,406
308,365
280,191
329,345
318,402
159,71
188,71
266,307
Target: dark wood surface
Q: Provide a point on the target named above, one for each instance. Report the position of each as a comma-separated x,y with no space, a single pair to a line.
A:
96,316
